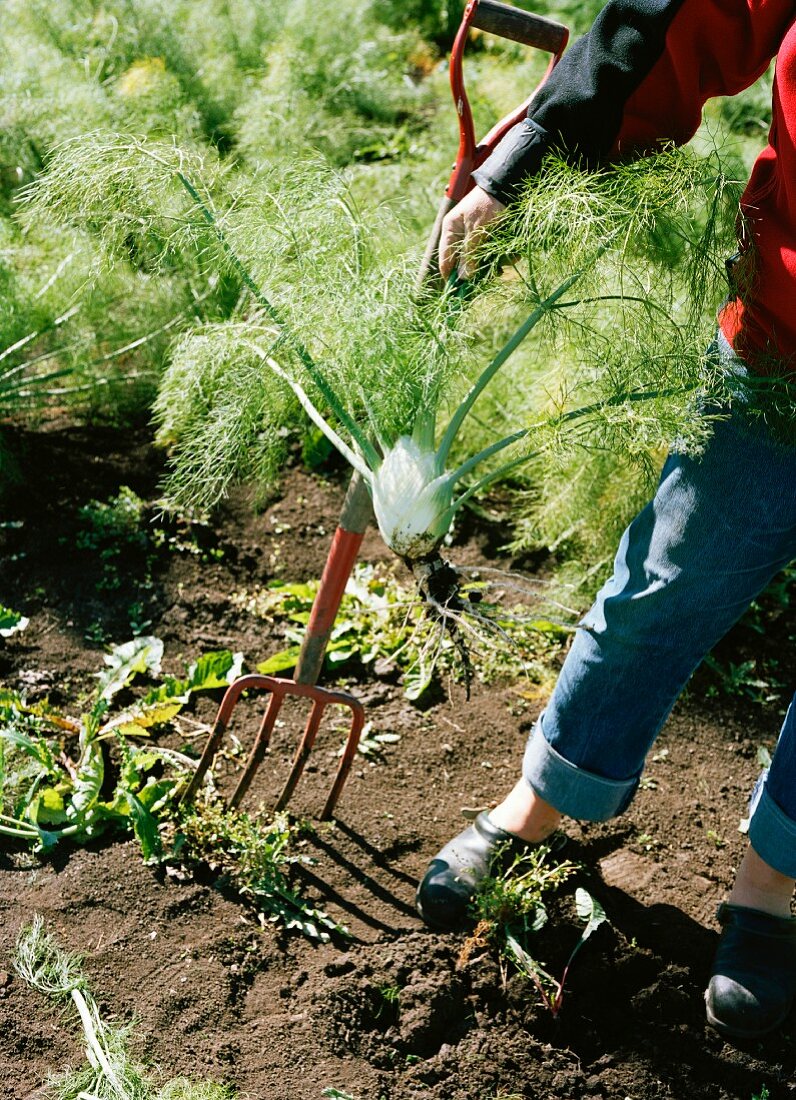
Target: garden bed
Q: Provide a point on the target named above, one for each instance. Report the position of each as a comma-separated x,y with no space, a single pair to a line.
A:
386,1013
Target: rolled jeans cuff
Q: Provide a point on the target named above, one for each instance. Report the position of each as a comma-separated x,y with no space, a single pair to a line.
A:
572,790
772,834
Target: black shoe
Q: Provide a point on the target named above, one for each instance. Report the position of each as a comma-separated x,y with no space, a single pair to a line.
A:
754,972
453,876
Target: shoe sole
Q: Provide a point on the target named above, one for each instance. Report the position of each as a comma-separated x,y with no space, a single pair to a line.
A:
743,1033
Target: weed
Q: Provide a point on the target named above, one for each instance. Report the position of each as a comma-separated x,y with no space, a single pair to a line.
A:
46,797
255,855
509,908
95,633
379,624
112,530
551,989
744,679
648,842
513,898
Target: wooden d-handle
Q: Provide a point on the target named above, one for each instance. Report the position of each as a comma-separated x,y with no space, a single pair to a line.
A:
520,26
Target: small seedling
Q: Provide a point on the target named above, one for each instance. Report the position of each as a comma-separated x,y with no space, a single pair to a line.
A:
550,989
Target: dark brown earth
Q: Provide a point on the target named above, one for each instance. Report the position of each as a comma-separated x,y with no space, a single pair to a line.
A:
215,994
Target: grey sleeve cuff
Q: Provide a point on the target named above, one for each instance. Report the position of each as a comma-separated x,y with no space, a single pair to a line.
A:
517,156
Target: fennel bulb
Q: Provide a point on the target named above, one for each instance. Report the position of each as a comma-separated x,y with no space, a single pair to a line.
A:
412,499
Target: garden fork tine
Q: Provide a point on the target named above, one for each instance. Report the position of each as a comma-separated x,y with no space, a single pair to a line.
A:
279,690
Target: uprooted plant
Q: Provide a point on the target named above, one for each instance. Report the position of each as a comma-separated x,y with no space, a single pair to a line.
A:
342,335
109,1072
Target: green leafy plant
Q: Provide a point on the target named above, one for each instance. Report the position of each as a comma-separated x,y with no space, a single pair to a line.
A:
111,530
109,1073
744,679
509,908
255,855
514,897
46,797
56,782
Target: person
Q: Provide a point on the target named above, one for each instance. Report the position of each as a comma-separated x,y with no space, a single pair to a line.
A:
720,525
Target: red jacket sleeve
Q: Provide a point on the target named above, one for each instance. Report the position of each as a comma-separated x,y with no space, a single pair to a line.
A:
639,79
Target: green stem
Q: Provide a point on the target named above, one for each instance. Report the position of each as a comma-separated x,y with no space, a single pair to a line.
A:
574,414
36,380
315,416
17,830
505,352
487,452
646,302
611,402
493,475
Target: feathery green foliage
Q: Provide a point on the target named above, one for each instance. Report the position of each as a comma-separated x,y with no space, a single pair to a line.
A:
110,1072
341,326
249,92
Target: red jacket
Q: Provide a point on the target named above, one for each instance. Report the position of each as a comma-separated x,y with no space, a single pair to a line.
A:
640,78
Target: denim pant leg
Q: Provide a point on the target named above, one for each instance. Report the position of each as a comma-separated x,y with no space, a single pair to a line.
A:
772,827
719,527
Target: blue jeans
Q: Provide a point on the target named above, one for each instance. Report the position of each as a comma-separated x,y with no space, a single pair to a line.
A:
720,526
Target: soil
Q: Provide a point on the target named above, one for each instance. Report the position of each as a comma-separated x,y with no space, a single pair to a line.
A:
387,1013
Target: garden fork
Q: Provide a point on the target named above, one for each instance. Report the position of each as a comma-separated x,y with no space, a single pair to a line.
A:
279,689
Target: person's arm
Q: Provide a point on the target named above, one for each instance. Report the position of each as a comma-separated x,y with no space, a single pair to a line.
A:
637,80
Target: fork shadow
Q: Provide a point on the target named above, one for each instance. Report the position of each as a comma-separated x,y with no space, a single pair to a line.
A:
369,901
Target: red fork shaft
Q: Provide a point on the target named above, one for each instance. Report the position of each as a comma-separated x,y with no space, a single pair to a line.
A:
355,516
501,19
460,183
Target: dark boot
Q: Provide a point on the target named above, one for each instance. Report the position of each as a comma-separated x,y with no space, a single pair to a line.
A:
754,972
454,874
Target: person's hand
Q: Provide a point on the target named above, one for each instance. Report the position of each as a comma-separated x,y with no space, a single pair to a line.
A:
463,230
